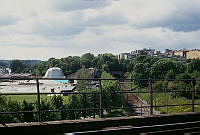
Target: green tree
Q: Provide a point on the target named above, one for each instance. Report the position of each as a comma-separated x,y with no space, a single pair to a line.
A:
160,68
57,102
84,74
170,75
110,97
140,72
87,60
48,116
17,66
194,65
28,117
9,106
183,82
74,103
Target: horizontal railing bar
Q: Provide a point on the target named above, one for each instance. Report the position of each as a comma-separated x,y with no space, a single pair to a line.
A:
115,92
17,112
85,109
175,105
50,93
133,79
14,94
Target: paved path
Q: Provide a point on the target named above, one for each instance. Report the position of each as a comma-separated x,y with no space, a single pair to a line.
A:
135,101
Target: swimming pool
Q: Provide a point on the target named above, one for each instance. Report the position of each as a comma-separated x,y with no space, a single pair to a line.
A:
62,81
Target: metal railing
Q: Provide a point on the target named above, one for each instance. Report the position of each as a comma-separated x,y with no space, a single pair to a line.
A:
100,92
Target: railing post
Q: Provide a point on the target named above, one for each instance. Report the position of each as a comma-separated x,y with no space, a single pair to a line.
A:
193,96
38,99
167,98
100,99
84,104
131,82
151,97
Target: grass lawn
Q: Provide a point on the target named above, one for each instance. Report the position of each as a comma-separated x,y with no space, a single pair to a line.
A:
32,98
168,99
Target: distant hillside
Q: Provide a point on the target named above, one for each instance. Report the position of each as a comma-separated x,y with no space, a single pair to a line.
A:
31,62
6,63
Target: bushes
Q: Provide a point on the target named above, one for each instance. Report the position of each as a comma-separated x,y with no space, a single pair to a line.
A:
28,117
29,110
9,106
110,98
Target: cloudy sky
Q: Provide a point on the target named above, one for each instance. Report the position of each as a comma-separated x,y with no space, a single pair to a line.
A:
40,29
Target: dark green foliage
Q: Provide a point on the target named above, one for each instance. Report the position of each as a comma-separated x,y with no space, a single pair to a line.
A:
184,77
58,104
105,62
68,65
18,66
28,117
48,116
9,106
87,60
142,67
126,65
170,75
157,85
84,74
145,59
74,103
140,71
197,89
57,101
160,68
111,99
108,62
194,65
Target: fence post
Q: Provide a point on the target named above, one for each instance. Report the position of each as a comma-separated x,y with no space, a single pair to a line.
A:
38,99
193,96
151,97
84,104
131,82
100,99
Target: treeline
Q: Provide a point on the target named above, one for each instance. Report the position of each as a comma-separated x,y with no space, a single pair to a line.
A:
173,75
103,62
143,66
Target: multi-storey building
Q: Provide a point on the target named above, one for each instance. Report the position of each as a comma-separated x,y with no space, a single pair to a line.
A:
124,56
182,54
193,54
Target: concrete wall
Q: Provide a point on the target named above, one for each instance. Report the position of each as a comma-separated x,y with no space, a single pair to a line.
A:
68,126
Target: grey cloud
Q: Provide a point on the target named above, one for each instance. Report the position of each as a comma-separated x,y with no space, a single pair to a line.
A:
182,15
59,27
58,30
184,22
108,19
7,20
70,5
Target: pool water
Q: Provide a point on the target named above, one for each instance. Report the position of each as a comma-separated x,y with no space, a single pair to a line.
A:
62,81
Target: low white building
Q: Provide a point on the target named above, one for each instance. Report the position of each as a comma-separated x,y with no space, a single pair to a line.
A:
54,72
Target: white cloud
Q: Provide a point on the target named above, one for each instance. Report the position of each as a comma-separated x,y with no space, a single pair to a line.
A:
70,5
